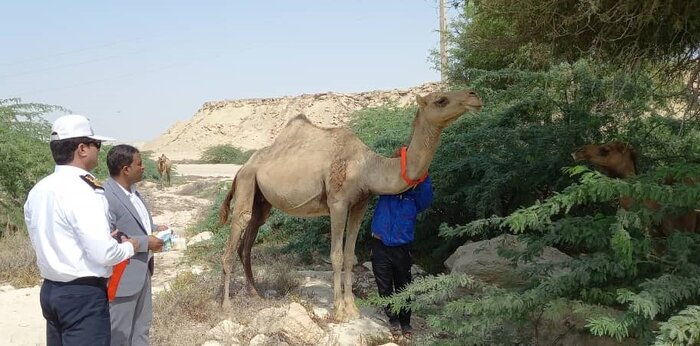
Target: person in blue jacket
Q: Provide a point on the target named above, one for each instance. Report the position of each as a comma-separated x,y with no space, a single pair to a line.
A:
393,229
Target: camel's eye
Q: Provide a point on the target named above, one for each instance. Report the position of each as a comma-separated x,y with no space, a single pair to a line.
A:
442,102
603,151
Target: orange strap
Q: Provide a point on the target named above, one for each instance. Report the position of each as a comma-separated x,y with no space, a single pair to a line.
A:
113,283
405,177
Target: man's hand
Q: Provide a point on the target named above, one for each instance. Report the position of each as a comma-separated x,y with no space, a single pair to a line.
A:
161,228
134,243
119,236
155,244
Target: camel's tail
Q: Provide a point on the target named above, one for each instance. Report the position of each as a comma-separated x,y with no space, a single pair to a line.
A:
226,205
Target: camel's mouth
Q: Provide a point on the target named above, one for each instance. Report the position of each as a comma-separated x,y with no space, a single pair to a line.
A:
578,156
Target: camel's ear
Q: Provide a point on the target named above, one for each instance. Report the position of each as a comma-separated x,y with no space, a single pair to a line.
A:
421,101
621,147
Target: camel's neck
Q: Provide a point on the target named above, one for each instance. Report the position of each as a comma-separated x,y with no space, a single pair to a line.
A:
624,172
385,173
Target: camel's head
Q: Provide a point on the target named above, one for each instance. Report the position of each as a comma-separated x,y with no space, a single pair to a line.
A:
442,108
616,159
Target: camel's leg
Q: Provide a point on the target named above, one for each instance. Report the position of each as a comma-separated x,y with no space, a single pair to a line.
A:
357,211
261,213
242,212
339,215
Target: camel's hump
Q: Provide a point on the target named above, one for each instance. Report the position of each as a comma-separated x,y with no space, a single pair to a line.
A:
299,117
300,120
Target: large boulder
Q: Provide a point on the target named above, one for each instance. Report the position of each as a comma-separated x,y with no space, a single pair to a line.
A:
292,323
481,260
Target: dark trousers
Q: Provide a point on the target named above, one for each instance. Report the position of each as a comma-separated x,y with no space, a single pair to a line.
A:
76,312
392,271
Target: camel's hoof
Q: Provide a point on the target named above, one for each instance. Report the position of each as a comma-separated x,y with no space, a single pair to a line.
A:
340,314
347,314
226,304
351,311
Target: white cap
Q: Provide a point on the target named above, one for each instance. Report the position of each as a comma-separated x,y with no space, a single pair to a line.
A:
72,126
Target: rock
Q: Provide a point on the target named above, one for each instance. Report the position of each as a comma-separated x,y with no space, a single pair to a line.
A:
292,323
298,328
481,260
321,313
212,343
266,321
264,340
356,332
179,244
569,328
200,238
197,269
417,271
225,330
390,344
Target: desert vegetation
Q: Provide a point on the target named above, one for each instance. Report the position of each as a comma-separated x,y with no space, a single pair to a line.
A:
611,71
225,154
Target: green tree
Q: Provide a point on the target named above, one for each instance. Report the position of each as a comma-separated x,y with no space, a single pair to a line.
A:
551,83
225,154
24,153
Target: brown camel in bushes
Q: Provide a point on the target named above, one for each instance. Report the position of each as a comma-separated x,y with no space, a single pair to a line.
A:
314,171
618,159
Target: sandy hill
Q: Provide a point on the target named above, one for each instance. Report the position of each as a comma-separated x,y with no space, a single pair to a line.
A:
254,123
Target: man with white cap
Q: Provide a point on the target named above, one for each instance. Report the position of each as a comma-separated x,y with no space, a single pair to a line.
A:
67,218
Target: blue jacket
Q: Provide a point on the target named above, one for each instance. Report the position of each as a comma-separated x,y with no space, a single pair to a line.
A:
394,219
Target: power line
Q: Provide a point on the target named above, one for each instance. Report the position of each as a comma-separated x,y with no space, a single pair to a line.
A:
56,67
68,52
76,85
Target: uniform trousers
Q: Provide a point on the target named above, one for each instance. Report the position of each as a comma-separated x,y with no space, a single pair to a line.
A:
76,312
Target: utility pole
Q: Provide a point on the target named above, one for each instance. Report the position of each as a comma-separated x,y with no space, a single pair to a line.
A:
443,43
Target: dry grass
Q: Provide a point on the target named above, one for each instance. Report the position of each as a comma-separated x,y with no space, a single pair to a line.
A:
18,260
274,271
183,314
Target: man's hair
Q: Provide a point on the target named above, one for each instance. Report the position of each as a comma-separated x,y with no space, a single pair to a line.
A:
63,150
120,156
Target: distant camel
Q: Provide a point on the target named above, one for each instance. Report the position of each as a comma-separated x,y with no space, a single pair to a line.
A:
618,159
314,171
164,167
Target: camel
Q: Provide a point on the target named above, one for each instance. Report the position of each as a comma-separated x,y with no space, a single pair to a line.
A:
164,167
618,159
313,171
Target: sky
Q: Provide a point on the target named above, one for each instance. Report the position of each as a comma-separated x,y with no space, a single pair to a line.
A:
135,67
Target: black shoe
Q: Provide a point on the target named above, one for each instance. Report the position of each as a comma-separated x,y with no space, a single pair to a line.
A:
407,331
395,329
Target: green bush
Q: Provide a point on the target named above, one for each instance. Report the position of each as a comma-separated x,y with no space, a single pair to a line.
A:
226,154
25,156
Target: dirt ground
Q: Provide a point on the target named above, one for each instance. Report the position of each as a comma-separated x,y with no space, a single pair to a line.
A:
21,321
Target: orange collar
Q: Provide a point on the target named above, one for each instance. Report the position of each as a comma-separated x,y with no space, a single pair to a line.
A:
405,177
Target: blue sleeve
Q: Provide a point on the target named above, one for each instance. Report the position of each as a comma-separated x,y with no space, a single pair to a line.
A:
424,195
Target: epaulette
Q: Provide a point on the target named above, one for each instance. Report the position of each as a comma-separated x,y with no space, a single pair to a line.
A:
90,180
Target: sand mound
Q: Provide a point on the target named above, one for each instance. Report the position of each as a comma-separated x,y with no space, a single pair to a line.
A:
254,123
